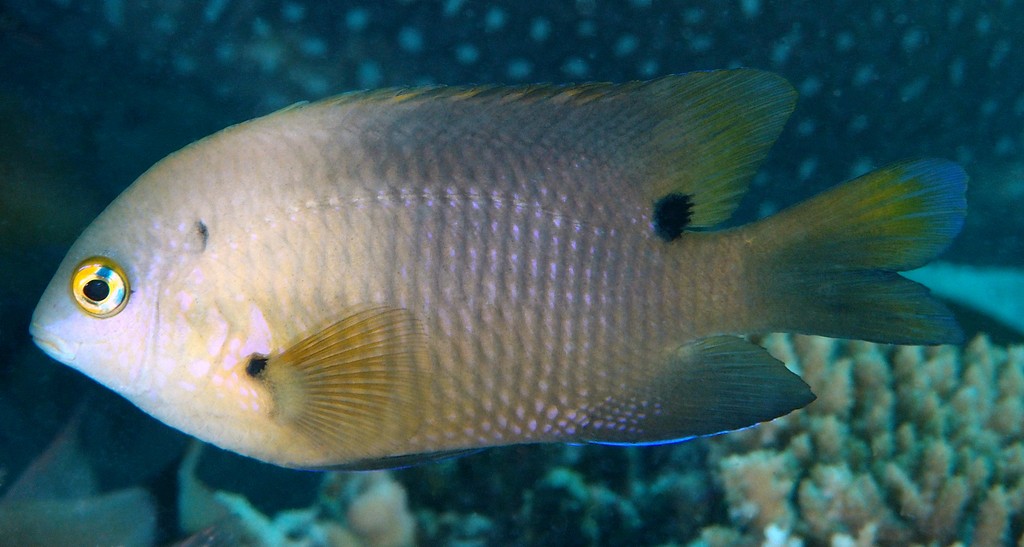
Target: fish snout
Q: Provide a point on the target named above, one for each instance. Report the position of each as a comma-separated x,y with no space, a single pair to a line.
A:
53,345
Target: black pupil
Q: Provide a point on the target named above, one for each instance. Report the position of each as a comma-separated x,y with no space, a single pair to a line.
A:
256,365
96,290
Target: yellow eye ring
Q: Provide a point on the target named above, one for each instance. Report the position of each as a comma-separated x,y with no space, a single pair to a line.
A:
100,287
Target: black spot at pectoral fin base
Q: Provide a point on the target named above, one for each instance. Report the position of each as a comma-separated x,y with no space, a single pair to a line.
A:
257,363
672,214
355,388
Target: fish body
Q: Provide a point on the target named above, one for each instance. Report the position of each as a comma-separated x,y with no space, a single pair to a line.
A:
390,276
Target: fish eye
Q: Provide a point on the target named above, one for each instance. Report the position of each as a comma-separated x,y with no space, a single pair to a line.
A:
100,287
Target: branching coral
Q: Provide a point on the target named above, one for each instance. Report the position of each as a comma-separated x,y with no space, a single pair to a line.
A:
905,445
372,505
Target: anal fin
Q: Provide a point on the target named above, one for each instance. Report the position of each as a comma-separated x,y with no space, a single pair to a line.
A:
709,386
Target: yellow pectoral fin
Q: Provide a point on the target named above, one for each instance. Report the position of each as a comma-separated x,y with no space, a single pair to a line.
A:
354,388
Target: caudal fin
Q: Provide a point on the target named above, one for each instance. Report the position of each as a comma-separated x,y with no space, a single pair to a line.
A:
829,266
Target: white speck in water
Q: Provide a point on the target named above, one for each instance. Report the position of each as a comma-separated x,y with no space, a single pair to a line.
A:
984,24
113,10
313,47
452,7
914,89
810,86
844,41
700,43
988,107
586,29
225,52
540,29
806,127
858,123
999,52
575,67
956,71
356,19
913,39
780,51
625,45
864,75
410,39
519,69
467,54
693,16
955,16
213,10
293,12
649,68
260,27
1005,146
861,166
369,75
807,168
495,19
750,8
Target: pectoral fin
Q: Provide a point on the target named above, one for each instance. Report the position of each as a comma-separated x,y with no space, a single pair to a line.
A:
354,387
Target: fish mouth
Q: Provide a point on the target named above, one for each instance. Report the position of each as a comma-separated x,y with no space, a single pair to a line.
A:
53,345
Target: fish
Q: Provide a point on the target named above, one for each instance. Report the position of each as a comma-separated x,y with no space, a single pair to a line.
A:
389,277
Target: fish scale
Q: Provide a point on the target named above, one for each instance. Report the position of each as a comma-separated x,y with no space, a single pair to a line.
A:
446,233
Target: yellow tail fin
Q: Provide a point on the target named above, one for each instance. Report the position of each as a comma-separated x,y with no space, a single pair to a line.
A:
829,266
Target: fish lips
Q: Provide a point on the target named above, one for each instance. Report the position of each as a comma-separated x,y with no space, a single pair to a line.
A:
53,345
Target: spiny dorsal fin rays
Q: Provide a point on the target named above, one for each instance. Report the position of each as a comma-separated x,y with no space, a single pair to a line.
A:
354,385
702,135
717,130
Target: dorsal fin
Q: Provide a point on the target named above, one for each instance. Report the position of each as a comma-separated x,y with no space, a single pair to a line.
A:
701,135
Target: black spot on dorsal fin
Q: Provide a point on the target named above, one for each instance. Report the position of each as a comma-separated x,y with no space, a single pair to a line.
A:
672,214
